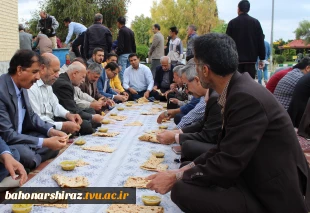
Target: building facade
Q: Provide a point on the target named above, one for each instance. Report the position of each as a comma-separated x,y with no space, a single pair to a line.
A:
9,37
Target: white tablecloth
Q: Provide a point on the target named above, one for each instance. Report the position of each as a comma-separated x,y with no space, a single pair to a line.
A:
110,169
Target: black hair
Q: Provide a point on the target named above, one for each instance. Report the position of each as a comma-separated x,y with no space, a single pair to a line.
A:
23,58
157,26
133,55
244,6
111,55
218,51
303,63
67,20
121,20
97,49
174,29
112,66
20,27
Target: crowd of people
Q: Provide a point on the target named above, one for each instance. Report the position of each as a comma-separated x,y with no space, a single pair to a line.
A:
239,148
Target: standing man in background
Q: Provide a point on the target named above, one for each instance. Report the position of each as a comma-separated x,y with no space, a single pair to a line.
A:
247,33
175,47
79,30
48,26
97,35
265,69
126,45
191,35
157,48
25,39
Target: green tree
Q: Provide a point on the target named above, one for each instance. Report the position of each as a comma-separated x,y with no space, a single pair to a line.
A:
142,27
181,13
220,27
303,31
81,11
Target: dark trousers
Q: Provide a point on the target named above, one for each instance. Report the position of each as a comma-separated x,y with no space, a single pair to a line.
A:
157,96
155,63
191,149
86,126
79,41
133,97
3,171
250,68
178,118
201,199
171,105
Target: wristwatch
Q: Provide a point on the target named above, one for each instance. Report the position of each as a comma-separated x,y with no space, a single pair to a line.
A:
166,113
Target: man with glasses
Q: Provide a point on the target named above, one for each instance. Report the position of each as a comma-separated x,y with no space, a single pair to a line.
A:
110,71
45,103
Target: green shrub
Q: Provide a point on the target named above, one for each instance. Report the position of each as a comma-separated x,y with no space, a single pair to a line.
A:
280,59
142,52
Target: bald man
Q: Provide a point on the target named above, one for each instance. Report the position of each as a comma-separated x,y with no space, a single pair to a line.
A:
163,79
64,90
45,103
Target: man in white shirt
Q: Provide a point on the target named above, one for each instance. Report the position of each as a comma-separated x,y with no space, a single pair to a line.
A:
79,30
45,103
138,79
175,47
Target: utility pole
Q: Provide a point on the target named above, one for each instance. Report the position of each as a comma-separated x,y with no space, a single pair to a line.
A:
271,37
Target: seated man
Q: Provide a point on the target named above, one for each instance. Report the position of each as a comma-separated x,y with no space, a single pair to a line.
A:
90,87
138,79
103,84
163,79
189,77
285,87
258,164
97,57
43,42
20,127
115,82
64,90
45,103
10,166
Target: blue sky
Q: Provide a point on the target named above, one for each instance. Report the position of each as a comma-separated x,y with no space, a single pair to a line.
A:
288,13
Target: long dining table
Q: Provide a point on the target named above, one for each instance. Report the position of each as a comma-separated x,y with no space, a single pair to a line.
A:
111,169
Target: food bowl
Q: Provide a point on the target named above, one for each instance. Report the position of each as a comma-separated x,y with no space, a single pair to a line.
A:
151,200
158,154
164,105
68,165
113,114
156,102
128,105
104,130
130,102
105,121
120,109
163,127
22,208
102,113
80,141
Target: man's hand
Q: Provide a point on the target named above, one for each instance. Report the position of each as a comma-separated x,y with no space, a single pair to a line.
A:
76,118
132,91
56,142
54,132
14,167
174,100
117,91
166,137
161,117
121,98
96,105
173,86
147,94
161,182
97,118
110,102
261,64
155,88
70,127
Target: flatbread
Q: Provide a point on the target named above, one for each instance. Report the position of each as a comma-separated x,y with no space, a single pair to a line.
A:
80,163
157,109
149,113
63,206
103,148
149,138
165,120
135,123
119,117
132,208
64,181
137,182
106,134
142,100
154,164
159,92
159,167
157,131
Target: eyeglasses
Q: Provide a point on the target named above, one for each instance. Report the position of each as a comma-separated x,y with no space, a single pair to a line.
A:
186,86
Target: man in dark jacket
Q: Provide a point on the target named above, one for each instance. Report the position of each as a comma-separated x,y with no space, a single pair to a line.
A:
97,35
163,79
247,32
258,165
125,45
48,26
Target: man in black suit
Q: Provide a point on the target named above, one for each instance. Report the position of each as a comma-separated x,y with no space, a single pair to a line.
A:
64,90
248,35
163,79
21,128
258,165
